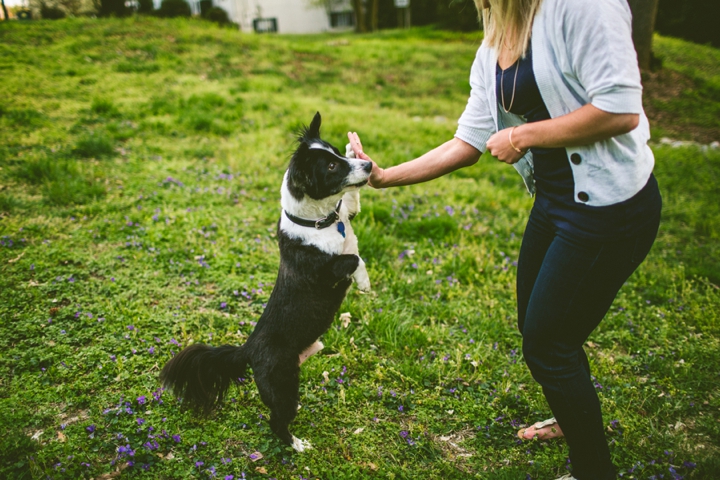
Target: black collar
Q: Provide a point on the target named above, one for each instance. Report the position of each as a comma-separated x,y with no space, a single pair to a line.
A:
320,223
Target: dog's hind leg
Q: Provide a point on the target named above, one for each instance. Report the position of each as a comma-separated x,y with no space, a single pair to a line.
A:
311,350
279,384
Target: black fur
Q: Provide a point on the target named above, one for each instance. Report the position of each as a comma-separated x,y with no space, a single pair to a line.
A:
309,173
309,289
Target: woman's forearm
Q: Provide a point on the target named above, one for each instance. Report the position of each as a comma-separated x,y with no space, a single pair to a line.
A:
584,126
440,161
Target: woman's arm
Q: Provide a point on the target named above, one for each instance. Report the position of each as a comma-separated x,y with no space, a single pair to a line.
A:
440,161
588,124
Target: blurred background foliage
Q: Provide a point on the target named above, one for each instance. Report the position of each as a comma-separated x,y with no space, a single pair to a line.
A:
693,20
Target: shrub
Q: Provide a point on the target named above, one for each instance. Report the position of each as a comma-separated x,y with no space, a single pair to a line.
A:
217,15
174,8
113,8
145,6
51,12
205,5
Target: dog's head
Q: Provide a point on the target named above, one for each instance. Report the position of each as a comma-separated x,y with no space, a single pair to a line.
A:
318,169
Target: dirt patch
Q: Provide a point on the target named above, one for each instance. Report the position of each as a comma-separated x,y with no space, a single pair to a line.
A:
665,86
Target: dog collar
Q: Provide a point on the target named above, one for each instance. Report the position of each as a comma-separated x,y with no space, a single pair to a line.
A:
320,223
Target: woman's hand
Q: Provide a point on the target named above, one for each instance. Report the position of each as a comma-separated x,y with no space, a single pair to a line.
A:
376,176
499,147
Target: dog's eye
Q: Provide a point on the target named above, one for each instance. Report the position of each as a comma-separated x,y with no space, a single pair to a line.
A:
332,166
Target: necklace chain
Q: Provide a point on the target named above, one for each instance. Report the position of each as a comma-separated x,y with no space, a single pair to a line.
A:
502,87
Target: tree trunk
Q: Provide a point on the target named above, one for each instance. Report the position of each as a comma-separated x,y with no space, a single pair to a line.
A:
374,15
4,11
360,24
643,25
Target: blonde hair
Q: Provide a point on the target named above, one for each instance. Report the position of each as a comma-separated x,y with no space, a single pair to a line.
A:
508,23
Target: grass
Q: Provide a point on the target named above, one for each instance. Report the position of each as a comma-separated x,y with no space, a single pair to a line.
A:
140,163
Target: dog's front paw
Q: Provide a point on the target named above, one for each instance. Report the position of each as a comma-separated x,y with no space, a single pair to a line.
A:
363,284
361,277
300,445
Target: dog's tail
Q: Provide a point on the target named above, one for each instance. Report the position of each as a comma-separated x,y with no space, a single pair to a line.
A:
201,374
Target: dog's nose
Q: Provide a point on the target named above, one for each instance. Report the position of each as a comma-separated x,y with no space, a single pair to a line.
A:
367,167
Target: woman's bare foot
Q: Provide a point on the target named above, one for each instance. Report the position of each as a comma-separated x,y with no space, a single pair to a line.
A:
543,430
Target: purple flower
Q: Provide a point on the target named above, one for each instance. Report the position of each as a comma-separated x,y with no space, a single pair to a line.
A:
151,350
141,400
223,305
90,429
403,434
140,421
229,477
131,327
176,438
400,408
199,464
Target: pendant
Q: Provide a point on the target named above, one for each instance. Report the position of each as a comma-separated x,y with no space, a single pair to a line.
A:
341,228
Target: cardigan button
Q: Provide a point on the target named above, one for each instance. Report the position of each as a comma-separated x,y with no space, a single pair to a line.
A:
575,158
583,197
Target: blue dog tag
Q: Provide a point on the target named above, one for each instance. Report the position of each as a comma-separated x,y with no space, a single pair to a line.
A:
341,228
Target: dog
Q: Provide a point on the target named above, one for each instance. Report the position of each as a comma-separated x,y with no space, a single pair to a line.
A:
318,261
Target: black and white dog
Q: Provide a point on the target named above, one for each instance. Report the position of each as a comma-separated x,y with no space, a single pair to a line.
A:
318,260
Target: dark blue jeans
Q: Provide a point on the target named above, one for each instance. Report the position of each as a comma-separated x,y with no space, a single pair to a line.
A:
565,286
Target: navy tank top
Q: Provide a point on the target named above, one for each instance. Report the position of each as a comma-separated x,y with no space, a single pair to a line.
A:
553,175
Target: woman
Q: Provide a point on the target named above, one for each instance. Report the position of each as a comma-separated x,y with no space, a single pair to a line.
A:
555,85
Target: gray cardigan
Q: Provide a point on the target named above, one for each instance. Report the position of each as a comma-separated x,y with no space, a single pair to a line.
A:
582,53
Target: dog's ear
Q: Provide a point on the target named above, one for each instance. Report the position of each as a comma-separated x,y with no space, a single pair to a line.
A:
314,130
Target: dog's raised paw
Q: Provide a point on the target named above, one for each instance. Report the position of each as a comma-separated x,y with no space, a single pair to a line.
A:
300,445
363,284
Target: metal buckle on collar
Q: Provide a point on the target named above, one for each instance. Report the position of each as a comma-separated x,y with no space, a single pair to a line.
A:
318,222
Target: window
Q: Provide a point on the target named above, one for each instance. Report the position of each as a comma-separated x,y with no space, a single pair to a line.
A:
342,19
265,25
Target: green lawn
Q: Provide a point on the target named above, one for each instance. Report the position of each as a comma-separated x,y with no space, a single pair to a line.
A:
140,166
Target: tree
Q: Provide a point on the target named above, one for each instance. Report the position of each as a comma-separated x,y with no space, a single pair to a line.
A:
117,8
643,24
358,8
4,10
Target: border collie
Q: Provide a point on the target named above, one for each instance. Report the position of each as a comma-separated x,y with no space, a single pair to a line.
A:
318,261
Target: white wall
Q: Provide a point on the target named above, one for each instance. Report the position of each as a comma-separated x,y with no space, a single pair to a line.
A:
293,16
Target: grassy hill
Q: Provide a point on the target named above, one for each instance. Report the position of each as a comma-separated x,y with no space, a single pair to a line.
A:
140,166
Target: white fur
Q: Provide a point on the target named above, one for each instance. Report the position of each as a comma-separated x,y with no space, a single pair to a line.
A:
300,445
328,240
311,350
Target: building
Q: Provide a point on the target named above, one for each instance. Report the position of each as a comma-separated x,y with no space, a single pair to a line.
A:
285,16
